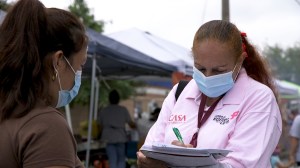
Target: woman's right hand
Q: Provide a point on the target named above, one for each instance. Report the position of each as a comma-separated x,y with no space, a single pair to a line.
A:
145,162
178,143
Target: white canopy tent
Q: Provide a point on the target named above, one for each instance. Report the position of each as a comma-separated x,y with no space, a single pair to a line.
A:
156,47
287,90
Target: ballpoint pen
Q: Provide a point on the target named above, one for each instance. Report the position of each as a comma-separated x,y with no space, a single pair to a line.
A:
178,135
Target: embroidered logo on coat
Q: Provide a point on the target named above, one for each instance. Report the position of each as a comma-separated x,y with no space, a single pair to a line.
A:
221,119
234,114
177,118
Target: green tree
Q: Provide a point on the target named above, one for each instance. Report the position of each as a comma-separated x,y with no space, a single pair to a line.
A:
275,57
3,5
284,62
293,62
81,10
125,87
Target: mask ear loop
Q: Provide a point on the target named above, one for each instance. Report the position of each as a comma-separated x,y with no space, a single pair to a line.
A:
238,70
70,65
244,47
237,73
57,74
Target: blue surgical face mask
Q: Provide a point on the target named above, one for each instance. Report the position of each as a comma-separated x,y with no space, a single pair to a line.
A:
213,86
66,96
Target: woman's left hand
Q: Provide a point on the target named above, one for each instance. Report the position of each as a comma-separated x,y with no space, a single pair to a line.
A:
145,162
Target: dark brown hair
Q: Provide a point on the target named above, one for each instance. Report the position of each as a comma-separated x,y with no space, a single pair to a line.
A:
228,33
114,97
28,34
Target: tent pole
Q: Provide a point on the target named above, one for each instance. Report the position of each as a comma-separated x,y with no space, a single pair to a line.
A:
87,159
97,83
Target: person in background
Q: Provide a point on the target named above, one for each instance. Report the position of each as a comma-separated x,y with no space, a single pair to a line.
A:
292,114
144,125
276,162
112,120
42,52
294,155
229,104
154,114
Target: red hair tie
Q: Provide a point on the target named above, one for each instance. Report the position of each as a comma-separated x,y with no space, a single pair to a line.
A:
243,34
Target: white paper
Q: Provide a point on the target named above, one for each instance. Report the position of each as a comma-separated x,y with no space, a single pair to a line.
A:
176,156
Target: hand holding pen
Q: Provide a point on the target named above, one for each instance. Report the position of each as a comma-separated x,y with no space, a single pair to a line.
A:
178,135
180,140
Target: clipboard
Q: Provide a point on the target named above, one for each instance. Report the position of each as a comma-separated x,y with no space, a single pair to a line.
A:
176,156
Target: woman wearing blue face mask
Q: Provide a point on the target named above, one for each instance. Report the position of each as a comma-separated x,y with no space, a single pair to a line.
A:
229,104
66,96
42,51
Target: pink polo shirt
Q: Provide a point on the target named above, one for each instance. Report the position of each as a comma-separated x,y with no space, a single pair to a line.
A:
246,121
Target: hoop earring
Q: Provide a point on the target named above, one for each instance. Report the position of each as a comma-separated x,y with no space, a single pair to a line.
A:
54,76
